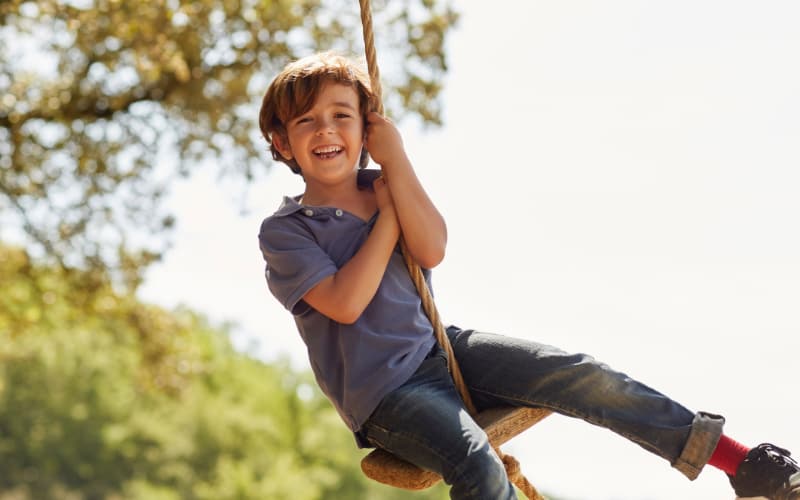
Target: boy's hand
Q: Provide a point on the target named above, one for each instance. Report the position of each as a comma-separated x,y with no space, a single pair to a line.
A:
383,140
383,196
422,225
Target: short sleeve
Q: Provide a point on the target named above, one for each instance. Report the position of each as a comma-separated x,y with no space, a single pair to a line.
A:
295,263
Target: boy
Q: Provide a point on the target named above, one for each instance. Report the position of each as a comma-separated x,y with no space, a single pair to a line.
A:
332,260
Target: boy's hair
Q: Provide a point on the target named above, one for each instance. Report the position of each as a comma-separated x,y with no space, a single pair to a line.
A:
295,89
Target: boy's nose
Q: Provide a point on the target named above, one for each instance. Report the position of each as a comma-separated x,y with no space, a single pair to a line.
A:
325,127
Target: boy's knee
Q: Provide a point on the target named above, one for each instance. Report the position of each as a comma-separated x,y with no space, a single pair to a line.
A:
481,475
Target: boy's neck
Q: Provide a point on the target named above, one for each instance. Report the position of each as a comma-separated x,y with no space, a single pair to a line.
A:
347,196
330,194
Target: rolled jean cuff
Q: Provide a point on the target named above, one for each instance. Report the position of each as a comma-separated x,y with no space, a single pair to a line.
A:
703,439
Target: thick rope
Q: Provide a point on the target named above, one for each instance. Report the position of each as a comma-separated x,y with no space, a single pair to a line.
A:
413,268
372,58
511,464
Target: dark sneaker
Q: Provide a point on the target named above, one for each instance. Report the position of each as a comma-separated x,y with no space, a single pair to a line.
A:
768,471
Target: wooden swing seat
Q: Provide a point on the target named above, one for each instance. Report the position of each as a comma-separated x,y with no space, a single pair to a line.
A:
500,424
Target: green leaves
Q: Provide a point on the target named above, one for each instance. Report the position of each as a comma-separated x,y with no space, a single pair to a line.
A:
104,103
102,396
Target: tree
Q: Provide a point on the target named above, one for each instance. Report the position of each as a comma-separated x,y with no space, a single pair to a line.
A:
104,102
102,396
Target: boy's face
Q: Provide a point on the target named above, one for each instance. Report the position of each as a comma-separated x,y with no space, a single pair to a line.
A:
326,140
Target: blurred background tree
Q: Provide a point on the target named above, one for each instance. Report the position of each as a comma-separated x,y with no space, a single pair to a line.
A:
109,398
103,103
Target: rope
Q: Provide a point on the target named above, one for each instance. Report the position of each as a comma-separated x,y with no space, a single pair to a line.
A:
372,58
413,268
509,462
516,476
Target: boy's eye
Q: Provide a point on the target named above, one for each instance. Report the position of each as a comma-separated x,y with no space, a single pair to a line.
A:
303,119
342,115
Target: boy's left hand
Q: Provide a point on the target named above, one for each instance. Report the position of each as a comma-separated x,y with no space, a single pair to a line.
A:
383,141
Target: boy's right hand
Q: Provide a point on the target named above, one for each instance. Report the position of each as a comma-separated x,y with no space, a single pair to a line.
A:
382,195
383,198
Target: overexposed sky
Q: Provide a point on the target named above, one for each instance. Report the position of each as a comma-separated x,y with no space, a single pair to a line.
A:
619,178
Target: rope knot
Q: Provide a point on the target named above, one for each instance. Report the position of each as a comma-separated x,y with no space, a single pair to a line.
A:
512,467
515,475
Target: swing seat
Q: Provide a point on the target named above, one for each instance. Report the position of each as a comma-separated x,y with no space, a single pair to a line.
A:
500,424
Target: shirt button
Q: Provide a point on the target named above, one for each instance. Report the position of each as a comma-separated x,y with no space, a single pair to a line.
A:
308,212
339,212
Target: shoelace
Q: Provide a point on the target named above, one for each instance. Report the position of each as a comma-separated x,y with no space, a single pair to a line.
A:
779,456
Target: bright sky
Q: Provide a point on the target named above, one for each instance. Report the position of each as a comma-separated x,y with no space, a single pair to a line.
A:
619,178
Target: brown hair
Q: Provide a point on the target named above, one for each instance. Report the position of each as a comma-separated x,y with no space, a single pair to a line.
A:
295,89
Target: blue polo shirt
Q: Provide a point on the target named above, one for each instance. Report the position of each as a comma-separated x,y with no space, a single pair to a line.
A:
355,365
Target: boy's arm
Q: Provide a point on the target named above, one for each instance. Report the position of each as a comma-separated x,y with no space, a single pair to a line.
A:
344,295
423,227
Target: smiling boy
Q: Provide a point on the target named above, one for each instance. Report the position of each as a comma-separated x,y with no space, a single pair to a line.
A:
332,260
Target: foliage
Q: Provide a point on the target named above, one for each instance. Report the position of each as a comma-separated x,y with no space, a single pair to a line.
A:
104,102
103,397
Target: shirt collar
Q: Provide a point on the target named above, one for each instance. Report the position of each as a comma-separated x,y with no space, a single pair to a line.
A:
291,204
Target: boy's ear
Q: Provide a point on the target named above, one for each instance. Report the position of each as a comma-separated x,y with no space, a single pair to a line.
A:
281,143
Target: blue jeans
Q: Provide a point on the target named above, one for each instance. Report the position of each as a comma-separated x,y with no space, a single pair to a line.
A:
424,420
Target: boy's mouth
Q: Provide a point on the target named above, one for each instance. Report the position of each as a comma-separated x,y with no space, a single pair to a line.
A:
326,152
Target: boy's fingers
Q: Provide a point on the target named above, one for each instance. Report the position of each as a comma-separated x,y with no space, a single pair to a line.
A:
379,185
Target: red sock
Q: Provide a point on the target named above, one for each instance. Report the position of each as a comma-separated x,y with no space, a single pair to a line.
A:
728,455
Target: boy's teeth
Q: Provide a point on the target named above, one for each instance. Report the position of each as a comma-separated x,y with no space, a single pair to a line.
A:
328,149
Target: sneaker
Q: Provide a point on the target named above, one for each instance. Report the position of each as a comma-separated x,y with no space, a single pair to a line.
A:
768,471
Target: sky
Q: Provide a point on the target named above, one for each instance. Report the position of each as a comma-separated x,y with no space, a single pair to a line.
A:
619,178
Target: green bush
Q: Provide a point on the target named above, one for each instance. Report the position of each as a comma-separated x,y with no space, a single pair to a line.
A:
103,397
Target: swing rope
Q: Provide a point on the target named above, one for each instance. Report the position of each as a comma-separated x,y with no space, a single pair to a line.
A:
511,464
